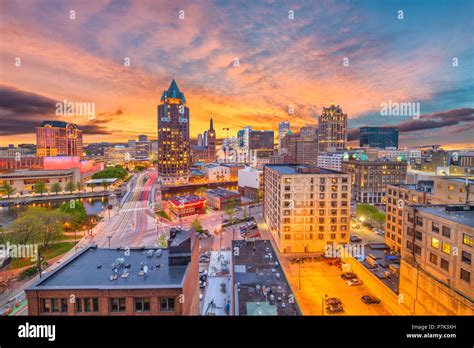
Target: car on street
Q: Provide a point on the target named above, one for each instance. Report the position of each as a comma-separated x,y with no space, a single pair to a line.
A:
333,301
334,309
348,276
355,239
367,299
354,282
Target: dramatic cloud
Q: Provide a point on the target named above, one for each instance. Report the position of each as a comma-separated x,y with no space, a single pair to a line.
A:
244,62
463,117
22,111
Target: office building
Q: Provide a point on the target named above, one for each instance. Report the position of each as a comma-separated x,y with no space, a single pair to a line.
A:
331,161
332,129
173,158
381,137
261,140
186,205
436,268
306,207
369,179
283,129
56,138
250,183
440,190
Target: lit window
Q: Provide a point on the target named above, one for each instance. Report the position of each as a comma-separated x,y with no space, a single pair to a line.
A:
446,248
435,243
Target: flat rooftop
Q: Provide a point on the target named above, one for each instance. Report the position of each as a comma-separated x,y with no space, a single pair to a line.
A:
461,216
93,267
221,192
300,169
260,285
23,173
459,179
187,199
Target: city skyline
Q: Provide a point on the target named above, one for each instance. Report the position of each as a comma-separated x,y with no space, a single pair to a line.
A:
250,69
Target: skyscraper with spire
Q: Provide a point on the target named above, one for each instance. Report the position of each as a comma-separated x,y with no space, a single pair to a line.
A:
173,137
211,141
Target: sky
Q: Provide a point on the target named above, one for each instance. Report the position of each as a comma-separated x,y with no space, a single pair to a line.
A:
299,55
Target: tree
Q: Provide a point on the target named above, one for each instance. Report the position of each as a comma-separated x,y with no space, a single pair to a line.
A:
79,186
196,225
105,184
24,229
56,187
76,213
379,218
111,172
370,213
230,208
40,187
52,227
7,189
70,186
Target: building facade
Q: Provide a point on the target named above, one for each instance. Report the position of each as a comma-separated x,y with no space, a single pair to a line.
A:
381,137
332,129
306,207
220,198
134,285
173,158
370,178
56,138
436,272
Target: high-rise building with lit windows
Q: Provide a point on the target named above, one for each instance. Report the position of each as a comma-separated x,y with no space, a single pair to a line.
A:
332,129
57,138
173,137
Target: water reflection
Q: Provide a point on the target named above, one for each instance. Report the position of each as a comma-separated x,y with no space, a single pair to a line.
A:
93,206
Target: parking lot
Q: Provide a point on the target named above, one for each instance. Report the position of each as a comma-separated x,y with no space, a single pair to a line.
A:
319,279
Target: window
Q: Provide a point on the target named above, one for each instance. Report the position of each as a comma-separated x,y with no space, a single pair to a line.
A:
287,236
117,304
63,305
435,243
417,249
466,257
434,258
45,305
167,304
142,304
444,264
467,239
446,232
465,275
418,235
54,305
419,221
446,248
435,227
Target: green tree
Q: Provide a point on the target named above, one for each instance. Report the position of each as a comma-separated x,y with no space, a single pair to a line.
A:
378,218
111,172
76,213
56,187
162,241
70,186
79,186
25,228
40,187
230,208
7,189
196,225
52,227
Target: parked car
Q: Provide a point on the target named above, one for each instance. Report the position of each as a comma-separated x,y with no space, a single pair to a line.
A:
334,309
354,282
367,299
348,276
355,239
333,301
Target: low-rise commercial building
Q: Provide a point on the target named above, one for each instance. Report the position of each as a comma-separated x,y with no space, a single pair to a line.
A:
122,282
181,206
216,172
220,198
250,183
24,181
260,285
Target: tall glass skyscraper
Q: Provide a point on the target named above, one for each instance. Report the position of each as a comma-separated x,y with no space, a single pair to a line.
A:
173,137
381,137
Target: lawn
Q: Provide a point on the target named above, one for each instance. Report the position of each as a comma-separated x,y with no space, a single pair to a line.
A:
53,250
163,214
